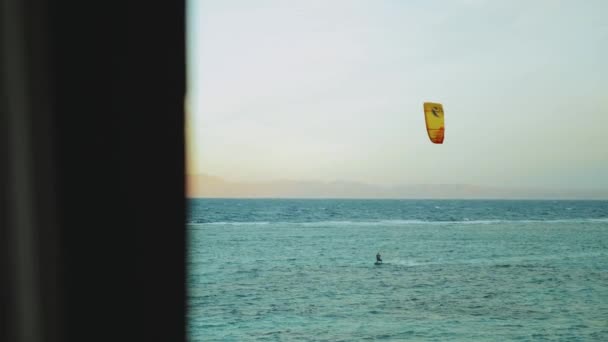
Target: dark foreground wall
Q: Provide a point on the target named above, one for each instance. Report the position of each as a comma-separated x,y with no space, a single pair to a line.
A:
92,171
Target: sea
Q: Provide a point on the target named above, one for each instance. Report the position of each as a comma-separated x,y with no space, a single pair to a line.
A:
453,270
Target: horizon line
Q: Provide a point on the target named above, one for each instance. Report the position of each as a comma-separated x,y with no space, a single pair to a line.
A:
494,187
404,198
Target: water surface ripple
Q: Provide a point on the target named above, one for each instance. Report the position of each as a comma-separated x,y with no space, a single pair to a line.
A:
278,270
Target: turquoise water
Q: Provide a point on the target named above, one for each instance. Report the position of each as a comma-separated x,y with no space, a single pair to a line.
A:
303,270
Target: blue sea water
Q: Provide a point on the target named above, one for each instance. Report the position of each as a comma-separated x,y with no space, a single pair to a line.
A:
303,270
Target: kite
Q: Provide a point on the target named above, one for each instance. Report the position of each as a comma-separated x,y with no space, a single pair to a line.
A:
435,126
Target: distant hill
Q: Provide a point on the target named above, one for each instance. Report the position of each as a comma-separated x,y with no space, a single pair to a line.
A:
203,185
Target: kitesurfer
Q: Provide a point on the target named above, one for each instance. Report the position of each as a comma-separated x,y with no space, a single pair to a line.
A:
378,257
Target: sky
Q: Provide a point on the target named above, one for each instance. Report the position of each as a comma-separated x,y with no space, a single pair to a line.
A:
334,90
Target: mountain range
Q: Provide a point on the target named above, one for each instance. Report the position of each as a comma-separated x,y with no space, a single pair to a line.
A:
207,186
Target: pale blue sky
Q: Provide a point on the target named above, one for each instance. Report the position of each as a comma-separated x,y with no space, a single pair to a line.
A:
333,90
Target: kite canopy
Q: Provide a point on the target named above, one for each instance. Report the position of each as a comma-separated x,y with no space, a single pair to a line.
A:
435,127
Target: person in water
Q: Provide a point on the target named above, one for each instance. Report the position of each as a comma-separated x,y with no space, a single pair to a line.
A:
378,257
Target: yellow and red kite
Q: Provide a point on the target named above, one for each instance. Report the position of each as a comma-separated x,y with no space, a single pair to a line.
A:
435,126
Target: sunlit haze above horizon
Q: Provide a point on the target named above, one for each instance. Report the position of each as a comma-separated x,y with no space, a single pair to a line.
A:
334,90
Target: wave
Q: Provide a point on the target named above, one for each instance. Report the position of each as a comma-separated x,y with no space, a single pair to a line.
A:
394,222
526,261
233,223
